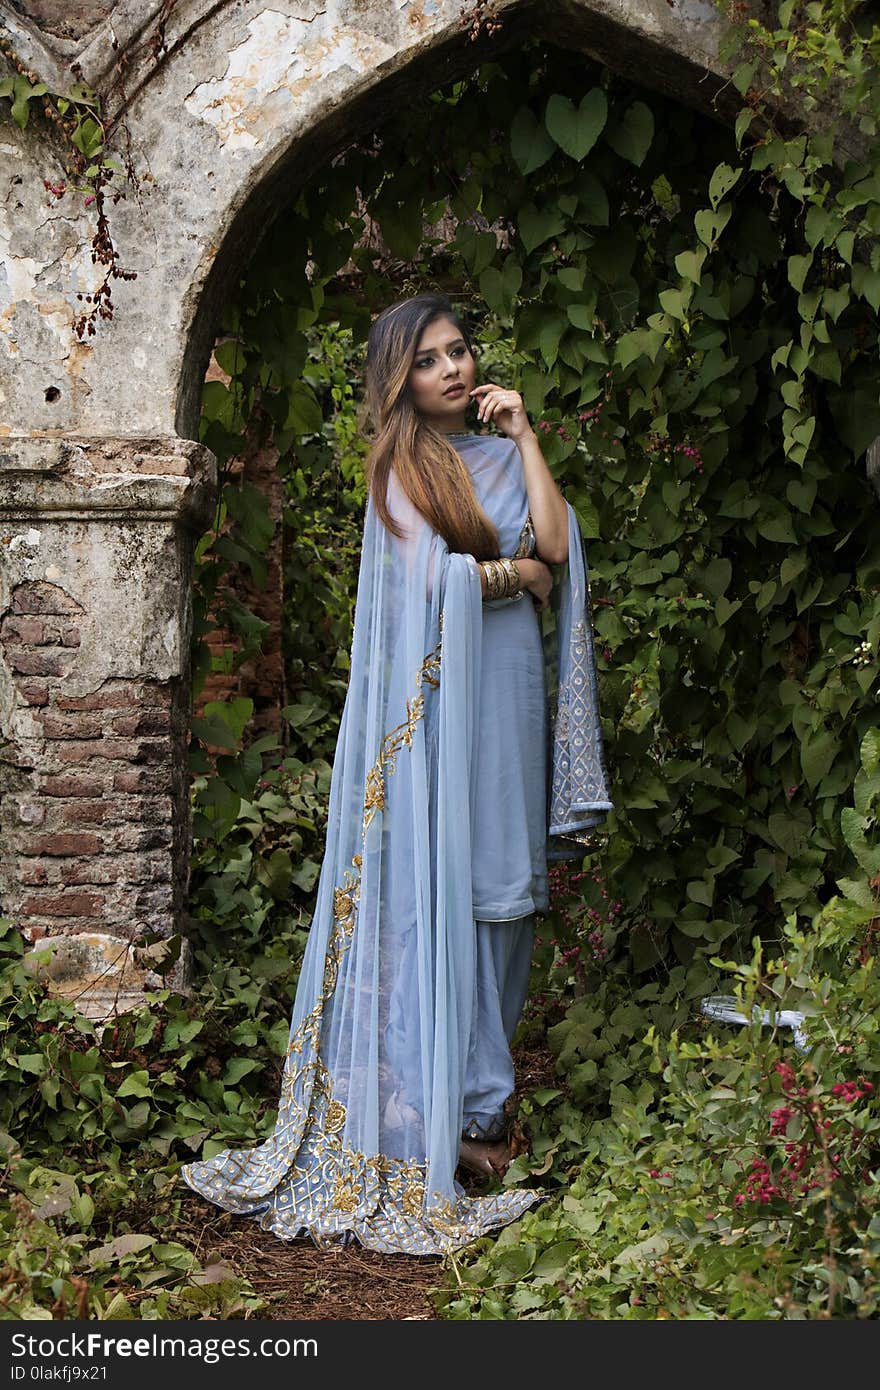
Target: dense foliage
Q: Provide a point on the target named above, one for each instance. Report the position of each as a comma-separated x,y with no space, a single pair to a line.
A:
698,357
692,316
734,575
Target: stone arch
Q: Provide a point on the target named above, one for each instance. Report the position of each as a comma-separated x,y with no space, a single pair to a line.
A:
102,483
243,103
673,52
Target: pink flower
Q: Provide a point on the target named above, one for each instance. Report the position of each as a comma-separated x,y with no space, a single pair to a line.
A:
786,1073
780,1118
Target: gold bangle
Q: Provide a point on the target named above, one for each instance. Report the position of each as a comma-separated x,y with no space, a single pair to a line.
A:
493,579
512,575
503,579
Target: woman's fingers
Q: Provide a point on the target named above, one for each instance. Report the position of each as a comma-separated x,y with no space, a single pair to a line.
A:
495,400
488,405
493,397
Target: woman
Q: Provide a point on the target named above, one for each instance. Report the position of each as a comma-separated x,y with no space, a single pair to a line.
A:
448,795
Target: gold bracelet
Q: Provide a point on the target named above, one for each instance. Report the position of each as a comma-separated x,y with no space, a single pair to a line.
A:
512,574
485,566
503,579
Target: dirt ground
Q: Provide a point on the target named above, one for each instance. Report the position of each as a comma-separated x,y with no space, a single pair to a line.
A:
302,1283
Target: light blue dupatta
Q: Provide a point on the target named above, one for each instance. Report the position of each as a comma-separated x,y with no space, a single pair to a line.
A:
365,1145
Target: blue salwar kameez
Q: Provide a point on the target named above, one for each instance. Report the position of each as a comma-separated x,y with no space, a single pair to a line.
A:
469,754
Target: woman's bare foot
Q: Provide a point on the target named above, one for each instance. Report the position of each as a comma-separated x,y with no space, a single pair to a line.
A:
489,1160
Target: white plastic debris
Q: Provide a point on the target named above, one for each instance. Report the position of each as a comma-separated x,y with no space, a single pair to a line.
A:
727,1009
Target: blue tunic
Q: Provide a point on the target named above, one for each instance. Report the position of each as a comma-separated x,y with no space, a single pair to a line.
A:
510,834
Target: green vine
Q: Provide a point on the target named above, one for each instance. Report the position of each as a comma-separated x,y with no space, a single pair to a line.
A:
705,398
692,315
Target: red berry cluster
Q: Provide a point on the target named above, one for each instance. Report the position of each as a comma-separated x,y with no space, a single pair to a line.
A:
584,939
807,1164
852,1090
690,452
584,417
546,427
662,444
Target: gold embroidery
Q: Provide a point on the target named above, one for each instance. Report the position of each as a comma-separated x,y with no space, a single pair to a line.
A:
526,543
374,799
383,1199
335,1117
413,1199
347,1194
399,737
306,1040
345,901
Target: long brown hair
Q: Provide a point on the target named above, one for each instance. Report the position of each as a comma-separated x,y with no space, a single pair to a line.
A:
431,473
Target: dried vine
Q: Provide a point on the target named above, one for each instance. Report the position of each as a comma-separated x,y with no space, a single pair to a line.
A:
79,117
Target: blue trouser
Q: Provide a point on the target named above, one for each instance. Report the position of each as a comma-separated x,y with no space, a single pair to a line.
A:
504,956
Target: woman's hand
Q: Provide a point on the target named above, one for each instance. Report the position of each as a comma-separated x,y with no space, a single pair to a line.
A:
503,408
538,579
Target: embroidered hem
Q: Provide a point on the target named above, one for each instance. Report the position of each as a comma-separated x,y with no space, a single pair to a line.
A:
334,1195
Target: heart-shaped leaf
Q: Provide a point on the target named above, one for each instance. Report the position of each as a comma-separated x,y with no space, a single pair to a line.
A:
529,141
631,138
537,225
576,129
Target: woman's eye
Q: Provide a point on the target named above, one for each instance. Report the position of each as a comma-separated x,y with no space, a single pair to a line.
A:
459,351
424,362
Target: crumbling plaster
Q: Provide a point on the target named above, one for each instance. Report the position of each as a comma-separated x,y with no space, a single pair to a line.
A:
131,583
242,102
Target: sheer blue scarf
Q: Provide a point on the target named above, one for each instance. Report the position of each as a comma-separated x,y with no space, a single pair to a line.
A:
365,1145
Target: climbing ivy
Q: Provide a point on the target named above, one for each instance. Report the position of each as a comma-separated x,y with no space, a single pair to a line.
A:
692,315
641,270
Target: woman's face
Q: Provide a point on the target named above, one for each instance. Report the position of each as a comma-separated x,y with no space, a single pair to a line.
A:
442,376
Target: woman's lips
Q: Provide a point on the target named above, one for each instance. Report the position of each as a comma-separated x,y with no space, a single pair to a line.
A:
453,391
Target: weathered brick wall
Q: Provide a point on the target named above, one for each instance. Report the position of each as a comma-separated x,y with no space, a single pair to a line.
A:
94,836
96,541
